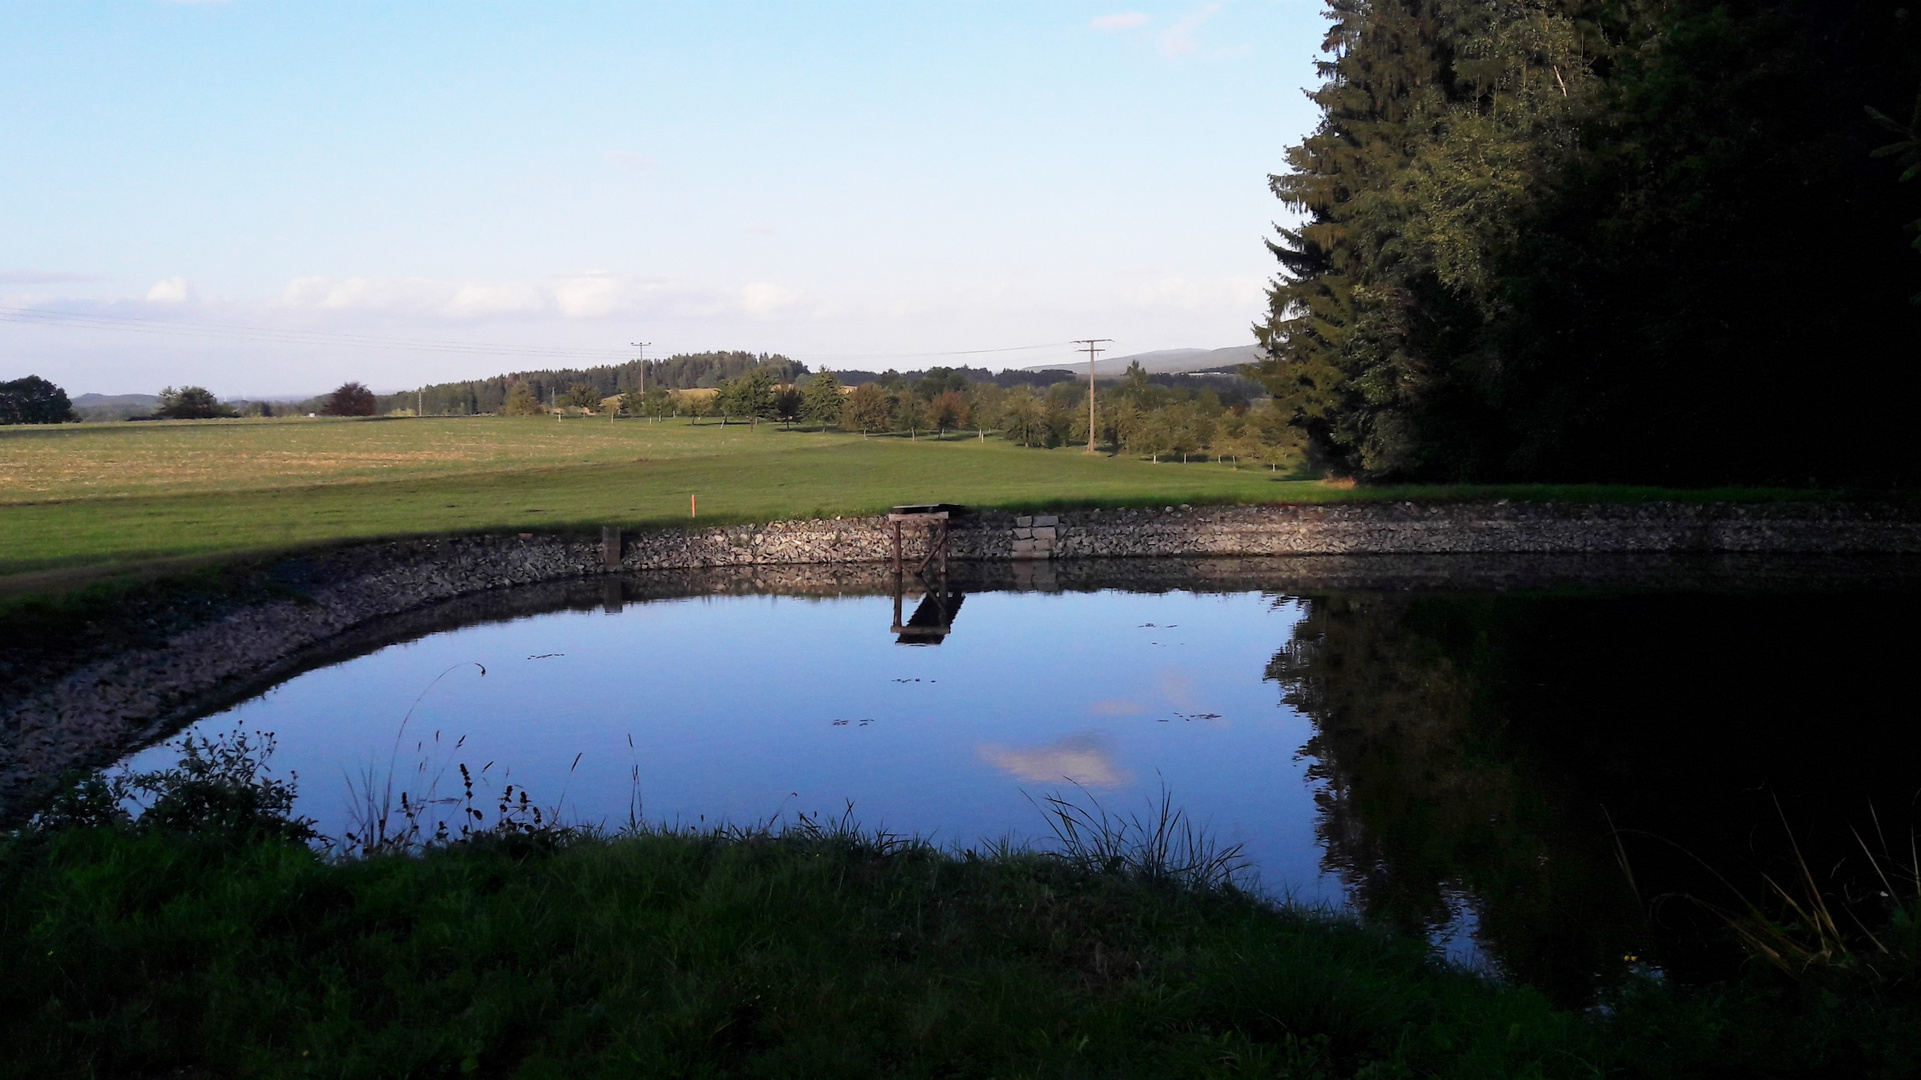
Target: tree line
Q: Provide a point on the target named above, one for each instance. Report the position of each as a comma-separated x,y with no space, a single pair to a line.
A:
681,371
1137,414
1608,240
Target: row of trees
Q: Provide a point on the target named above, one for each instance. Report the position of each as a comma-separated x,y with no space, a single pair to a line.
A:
1617,240
1134,415
587,387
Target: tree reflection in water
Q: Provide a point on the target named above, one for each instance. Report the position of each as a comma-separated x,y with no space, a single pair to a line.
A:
1487,745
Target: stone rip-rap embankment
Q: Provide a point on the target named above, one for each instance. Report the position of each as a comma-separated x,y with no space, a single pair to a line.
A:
86,710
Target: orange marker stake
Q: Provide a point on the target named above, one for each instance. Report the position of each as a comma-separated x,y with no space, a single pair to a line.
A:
693,505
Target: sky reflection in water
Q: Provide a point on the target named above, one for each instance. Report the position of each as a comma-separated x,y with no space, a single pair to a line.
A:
744,707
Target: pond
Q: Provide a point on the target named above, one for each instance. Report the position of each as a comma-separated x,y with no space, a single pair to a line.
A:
1555,778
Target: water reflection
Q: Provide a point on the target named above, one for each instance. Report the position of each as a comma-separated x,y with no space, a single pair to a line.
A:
1518,751
1085,758
1454,764
933,617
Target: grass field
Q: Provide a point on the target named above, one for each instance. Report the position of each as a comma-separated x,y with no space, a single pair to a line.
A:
199,946
99,497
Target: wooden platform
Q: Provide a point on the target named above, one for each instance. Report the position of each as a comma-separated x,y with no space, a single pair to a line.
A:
934,518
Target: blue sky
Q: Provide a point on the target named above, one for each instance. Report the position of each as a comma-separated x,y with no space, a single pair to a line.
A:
268,198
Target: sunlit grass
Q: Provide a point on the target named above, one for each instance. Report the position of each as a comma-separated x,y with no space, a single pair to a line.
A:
126,495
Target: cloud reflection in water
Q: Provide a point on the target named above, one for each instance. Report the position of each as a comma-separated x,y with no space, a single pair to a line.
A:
1084,758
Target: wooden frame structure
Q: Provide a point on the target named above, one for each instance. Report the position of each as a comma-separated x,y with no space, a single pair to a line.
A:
935,518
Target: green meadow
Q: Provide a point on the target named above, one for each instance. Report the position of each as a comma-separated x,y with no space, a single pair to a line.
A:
80,500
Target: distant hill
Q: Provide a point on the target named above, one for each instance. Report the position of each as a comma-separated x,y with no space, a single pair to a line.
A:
114,406
109,401
1168,361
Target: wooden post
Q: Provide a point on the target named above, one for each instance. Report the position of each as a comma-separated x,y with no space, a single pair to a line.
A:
610,545
897,561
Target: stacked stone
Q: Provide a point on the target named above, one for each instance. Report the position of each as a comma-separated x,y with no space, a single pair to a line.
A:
1034,536
87,713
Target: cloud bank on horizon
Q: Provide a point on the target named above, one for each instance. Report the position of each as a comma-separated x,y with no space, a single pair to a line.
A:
233,195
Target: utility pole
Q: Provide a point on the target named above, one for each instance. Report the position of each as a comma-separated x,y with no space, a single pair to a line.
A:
419,409
642,346
1093,347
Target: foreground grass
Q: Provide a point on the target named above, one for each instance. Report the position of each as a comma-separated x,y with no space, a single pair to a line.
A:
159,953
111,497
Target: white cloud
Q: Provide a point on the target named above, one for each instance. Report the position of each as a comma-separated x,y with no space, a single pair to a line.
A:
1126,20
763,300
1179,39
171,290
627,159
1083,759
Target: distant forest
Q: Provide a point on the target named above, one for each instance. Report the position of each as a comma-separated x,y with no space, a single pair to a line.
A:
687,371
1610,240
682,371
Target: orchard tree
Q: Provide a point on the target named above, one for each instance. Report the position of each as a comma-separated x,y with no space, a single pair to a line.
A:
520,401
581,396
909,410
985,401
947,409
1024,419
822,401
788,402
657,401
869,408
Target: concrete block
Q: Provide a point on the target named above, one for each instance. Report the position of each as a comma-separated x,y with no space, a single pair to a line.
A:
1024,522
1046,519
1023,534
1044,532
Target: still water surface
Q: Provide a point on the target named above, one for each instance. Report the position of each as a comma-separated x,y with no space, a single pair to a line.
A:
1533,779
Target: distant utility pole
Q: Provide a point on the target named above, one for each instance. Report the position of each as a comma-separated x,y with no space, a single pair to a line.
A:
642,346
1093,347
419,409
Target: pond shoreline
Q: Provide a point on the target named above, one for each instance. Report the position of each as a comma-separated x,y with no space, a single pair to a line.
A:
83,703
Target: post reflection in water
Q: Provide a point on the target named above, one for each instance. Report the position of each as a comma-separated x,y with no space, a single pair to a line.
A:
933,617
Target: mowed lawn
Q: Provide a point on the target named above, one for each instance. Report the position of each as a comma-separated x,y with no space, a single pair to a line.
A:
122,494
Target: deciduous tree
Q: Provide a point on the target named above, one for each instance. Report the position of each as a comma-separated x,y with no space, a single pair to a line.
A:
869,409
349,399
191,403
34,400
947,409
822,400
521,401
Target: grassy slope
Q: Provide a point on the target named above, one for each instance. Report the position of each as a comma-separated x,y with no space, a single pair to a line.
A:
678,955
120,495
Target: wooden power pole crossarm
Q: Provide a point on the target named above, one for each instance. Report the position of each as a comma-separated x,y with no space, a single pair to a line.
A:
1093,348
642,346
